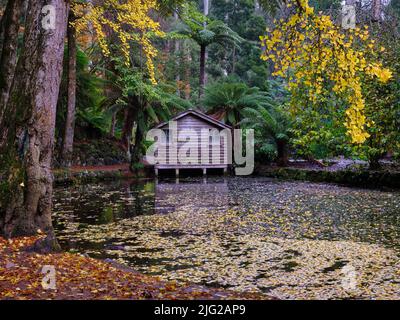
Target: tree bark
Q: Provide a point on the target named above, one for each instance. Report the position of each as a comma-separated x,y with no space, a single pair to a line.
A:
27,129
68,141
8,59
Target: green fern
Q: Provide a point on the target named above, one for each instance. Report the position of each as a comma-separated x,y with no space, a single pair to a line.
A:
232,98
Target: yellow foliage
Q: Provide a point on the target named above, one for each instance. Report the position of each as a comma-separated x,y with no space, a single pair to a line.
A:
128,19
310,50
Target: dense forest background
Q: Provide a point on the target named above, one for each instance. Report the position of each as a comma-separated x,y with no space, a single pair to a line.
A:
208,58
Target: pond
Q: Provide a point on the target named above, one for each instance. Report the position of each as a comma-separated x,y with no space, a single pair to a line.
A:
291,240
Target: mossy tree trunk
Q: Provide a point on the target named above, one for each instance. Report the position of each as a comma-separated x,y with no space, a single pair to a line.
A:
27,129
68,141
8,58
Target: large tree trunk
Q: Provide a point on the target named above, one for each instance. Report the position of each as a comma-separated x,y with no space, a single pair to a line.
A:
27,129
68,141
8,59
202,70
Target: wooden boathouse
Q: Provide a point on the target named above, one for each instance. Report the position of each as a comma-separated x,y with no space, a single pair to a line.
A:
216,153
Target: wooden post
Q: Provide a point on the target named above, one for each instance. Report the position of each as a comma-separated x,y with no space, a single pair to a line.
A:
177,172
156,172
204,171
225,171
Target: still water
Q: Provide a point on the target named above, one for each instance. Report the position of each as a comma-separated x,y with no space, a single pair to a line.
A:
287,239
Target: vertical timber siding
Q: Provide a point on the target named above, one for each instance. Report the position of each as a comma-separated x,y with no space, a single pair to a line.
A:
193,122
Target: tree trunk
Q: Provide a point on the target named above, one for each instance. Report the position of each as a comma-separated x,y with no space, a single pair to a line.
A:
177,66
1,30
203,54
282,160
110,91
178,60
8,59
135,148
202,71
27,140
188,63
68,141
206,7
136,152
129,121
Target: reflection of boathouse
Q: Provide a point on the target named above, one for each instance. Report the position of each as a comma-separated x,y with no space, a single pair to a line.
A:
171,196
213,157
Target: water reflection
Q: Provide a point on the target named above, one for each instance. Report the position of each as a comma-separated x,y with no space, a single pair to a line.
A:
191,194
289,239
